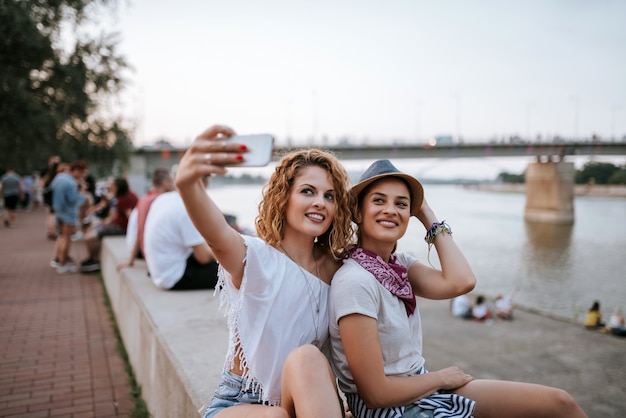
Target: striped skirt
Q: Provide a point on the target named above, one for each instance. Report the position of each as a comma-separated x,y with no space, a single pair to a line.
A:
437,405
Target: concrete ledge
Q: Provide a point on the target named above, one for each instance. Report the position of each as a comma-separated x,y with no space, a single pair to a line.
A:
176,340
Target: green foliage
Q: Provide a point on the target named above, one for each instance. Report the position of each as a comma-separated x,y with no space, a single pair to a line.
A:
618,177
53,95
601,173
506,177
141,409
592,172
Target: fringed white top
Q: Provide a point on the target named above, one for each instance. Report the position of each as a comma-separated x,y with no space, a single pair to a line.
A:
271,313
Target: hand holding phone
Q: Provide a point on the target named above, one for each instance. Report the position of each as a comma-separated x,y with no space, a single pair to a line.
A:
260,147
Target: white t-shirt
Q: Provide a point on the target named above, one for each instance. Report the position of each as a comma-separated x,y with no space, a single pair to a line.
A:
461,306
480,311
131,230
273,311
169,236
504,303
355,290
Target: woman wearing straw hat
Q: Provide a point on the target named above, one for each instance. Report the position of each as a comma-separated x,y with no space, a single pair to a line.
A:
375,325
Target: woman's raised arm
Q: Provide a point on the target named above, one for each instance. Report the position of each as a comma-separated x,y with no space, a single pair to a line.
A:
209,154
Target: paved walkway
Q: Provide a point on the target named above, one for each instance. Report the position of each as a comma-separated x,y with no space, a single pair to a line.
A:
58,353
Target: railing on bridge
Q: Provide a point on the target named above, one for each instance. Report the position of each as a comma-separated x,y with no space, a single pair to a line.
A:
473,150
460,150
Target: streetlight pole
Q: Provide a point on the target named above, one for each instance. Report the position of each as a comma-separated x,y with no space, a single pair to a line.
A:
457,96
289,114
315,115
576,101
614,110
529,107
418,120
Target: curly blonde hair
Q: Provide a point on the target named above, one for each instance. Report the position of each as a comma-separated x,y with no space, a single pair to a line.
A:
270,222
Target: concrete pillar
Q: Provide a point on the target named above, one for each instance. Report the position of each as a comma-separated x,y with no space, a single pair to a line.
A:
550,192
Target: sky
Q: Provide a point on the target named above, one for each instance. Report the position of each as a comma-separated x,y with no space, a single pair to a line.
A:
319,71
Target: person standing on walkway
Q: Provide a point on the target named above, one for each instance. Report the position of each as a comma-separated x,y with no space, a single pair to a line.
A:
27,191
161,182
47,176
375,325
275,286
12,193
67,197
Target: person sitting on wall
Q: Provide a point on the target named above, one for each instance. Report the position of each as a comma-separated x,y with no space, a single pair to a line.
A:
162,182
123,203
177,256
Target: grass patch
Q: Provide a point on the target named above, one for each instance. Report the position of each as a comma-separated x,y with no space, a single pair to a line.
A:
141,410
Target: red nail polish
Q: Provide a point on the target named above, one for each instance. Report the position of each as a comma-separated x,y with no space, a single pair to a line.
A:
243,147
239,158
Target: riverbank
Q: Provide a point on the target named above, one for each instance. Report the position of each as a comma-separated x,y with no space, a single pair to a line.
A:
531,348
597,190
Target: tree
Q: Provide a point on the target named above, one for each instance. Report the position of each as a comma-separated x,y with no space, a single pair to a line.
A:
506,177
619,177
54,92
599,172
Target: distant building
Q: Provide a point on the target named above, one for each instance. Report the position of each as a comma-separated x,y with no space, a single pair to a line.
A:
161,144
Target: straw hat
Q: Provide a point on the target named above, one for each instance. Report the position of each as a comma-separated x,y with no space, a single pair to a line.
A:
383,168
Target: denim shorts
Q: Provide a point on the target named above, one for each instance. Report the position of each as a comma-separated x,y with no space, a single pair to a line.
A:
230,392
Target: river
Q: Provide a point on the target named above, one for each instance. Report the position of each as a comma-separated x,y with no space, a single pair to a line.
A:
558,270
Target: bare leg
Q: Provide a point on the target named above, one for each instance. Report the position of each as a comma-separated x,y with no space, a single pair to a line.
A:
495,398
57,254
92,243
63,243
50,223
309,388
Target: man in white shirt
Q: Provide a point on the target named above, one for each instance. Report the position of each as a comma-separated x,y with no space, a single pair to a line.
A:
177,256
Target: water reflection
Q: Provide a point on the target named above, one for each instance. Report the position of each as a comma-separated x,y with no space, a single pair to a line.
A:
548,246
544,236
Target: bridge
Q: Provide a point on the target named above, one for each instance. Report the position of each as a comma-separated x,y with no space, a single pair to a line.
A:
549,180
148,158
474,150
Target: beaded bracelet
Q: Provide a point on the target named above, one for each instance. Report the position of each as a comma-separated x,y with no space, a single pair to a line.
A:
436,229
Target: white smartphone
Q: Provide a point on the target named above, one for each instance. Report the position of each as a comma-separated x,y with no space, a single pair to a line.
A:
260,147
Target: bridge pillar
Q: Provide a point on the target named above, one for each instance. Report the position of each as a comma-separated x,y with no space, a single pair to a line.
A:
550,192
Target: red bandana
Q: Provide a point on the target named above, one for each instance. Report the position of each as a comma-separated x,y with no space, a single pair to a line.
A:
393,276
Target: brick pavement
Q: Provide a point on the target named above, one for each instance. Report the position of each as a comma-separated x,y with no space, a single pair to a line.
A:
58,352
